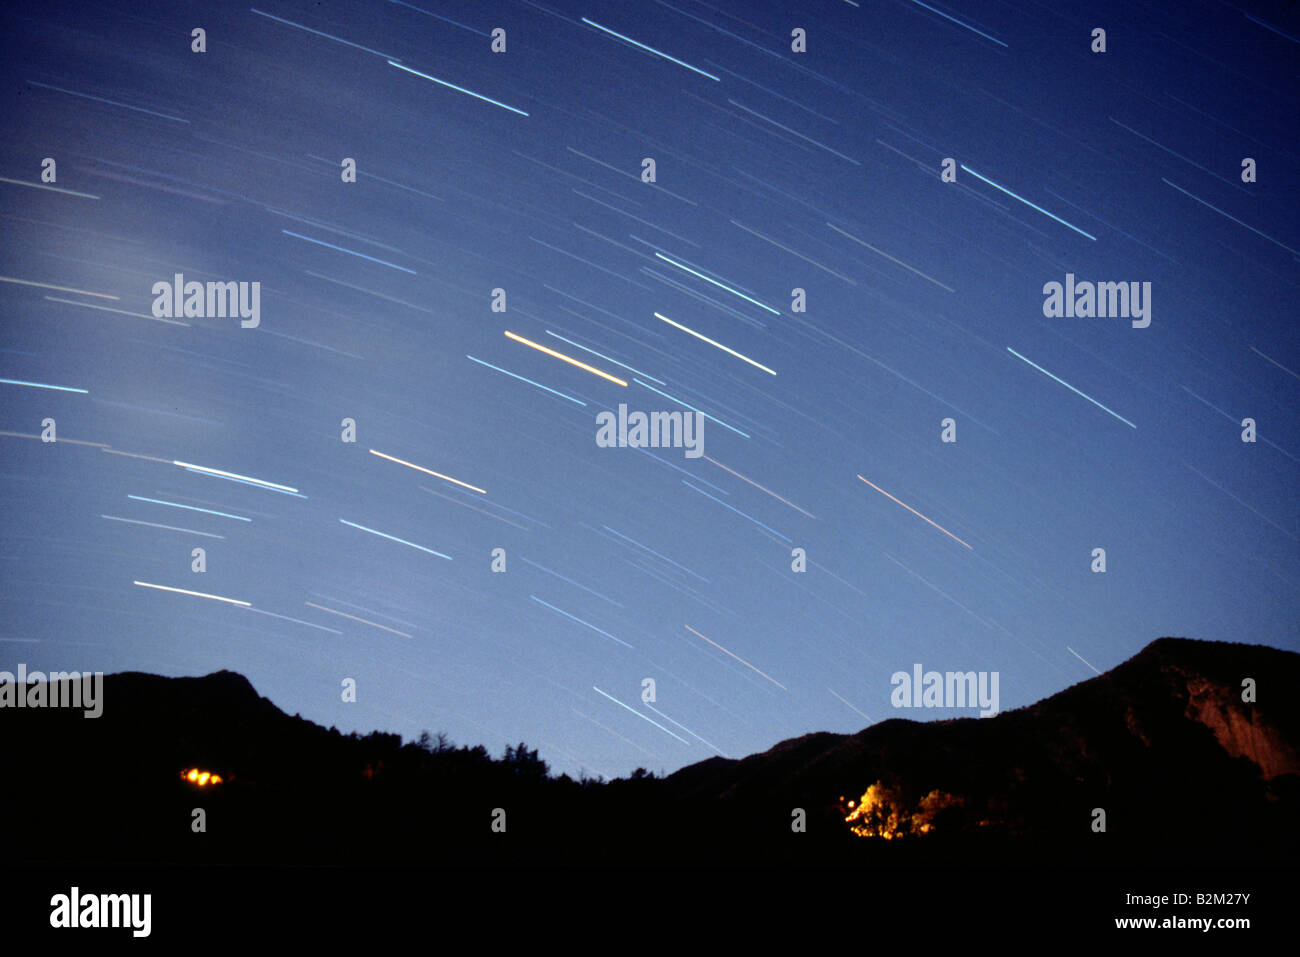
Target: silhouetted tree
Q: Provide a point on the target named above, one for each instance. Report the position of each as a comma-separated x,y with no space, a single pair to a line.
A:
524,763
439,744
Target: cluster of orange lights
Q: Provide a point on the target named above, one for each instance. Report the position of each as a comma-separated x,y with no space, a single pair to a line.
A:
202,778
881,812
875,815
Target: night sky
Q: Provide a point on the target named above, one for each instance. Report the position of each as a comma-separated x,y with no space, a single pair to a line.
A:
522,170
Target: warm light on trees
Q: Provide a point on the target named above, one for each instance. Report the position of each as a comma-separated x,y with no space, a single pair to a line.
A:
882,812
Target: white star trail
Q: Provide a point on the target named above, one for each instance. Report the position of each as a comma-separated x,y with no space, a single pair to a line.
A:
195,594
738,658
914,512
394,538
641,716
236,477
1028,203
1071,388
716,345
648,49
421,468
458,89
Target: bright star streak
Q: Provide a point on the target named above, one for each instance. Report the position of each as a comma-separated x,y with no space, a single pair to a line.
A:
641,716
236,477
1080,657
717,345
196,594
915,512
1071,388
606,358
41,385
760,305
738,658
459,89
394,538
420,468
563,358
650,49
1028,203
227,478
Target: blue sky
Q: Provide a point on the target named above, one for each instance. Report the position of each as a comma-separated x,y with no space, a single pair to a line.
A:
522,170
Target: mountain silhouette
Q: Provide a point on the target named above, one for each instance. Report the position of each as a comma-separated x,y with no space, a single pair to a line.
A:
1168,749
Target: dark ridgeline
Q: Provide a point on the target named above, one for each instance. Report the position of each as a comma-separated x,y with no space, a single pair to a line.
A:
1184,769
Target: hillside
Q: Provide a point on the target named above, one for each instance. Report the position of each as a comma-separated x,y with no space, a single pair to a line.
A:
1163,743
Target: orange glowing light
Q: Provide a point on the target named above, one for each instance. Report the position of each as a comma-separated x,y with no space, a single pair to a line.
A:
200,778
882,812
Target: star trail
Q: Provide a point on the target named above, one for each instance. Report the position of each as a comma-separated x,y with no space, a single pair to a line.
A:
382,266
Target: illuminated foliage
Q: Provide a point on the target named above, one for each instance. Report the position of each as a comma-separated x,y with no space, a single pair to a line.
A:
930,807
878,813
882,812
